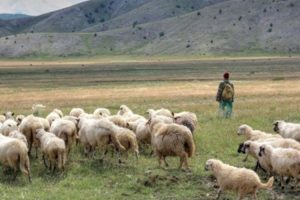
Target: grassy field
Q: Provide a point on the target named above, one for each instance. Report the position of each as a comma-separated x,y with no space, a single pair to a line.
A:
266,90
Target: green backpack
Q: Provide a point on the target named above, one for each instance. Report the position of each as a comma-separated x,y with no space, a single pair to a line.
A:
228,92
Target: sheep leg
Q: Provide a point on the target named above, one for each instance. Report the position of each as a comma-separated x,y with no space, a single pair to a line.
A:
159,159
181,162
36,152
282,182
295,184
164,159
45,163
254,196
219,193
246,158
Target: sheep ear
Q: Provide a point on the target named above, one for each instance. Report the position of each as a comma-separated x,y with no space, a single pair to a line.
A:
173,114
12,113
4,114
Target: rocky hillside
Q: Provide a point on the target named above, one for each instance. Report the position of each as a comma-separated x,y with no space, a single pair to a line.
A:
157,27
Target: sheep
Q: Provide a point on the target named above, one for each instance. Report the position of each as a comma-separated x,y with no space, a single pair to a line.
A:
29,126
251,134
2,118
287,130
101,112
118,120
284,161
187,119
127,113
171,140
51,117
19,119
36,108
75,112
59,112
13,153
66,130
9,115
240,180
98,133
142,131
18,135
8,126
53,149
128,140
162,111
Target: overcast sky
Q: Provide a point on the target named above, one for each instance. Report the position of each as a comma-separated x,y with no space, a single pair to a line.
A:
34,7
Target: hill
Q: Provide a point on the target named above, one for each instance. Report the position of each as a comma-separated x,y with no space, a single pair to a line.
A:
12,16
158,27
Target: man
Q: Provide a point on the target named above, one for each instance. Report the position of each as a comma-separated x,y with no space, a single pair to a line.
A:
225,96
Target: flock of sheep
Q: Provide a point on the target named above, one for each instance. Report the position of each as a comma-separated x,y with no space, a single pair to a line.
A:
277,155
169,134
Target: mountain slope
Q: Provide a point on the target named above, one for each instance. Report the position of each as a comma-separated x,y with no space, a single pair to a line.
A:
228,27
12,16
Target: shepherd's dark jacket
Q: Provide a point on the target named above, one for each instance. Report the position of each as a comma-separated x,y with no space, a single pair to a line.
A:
221,88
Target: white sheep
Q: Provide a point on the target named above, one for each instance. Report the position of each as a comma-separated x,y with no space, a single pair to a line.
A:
13,153
18,135
98,133
103,112
162,111
2,118
76,112
9,115
36,108
287,130
240,180
51,117
66,130
29,126
251,134
187,119
283,161
171,140
53,149
8,126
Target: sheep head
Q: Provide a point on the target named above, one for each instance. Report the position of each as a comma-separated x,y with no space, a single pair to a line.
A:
210,164
244,129
277,125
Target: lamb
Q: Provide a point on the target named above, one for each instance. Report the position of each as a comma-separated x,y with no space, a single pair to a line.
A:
287,130
13,153
240,180
187,119
53,149
29,126
19,119
66,130
162,111
76,112
103,112
171,140
251,134
98,133
8,126
18,135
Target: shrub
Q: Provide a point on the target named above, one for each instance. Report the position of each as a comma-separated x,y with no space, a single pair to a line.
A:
134,24
161,34
198,13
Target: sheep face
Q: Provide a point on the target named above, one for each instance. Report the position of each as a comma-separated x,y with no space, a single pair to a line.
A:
276,125
243,129
241,148
209,165
9,115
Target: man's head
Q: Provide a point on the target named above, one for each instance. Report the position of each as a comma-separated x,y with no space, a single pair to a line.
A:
226,75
